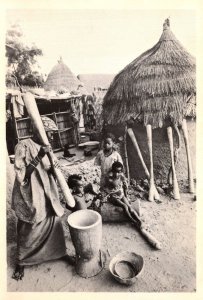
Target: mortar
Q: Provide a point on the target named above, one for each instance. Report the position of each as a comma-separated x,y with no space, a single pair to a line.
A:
86,234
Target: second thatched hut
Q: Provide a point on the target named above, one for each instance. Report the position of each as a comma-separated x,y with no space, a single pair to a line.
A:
61,78
157,88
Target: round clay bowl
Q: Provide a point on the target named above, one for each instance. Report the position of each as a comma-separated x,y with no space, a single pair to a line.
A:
126,266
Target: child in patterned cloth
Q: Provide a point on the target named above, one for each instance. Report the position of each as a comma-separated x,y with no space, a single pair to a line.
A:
106,157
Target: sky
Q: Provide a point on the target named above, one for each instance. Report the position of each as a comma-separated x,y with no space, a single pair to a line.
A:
99,41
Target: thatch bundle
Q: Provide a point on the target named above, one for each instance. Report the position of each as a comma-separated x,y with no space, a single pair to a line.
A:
60,78
155,86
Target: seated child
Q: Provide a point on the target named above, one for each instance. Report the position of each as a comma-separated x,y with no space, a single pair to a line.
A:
106,157
115,191
79,190
76,184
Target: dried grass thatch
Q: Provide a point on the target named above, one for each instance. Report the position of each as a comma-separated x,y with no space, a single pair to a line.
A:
60,78
155,86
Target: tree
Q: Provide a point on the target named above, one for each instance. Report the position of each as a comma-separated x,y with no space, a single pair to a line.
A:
22,58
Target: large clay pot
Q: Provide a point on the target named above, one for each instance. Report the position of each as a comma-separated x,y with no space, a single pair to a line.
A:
86,233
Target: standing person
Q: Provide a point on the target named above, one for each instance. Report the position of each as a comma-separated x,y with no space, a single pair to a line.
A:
89,113
91,116
106,157
35,200
75,117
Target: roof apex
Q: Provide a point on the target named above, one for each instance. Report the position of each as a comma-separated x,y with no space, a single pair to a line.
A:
166,24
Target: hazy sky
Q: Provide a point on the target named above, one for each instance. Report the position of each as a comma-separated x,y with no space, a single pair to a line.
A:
99,41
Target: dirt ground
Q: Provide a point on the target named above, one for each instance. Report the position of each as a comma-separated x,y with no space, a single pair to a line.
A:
172,269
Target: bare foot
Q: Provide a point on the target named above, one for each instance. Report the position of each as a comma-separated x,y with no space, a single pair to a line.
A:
18,274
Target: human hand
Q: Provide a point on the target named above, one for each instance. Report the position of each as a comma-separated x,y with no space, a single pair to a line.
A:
97,203
44,150
56,164
99,196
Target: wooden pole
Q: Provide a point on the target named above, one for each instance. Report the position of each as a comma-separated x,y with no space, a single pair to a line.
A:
126,154
175,181
150,239
35,117
134,141
176,153
151,182
187,146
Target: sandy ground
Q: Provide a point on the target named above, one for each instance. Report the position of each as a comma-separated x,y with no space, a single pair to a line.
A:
172,269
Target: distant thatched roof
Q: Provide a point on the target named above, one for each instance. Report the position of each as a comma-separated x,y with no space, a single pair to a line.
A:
92,81
156,85
61,77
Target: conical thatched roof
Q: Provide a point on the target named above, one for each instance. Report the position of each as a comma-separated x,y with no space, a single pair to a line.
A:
60,78
156,85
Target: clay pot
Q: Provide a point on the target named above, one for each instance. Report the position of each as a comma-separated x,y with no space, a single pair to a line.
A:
126,266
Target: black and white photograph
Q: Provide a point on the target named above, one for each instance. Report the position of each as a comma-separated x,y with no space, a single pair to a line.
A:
100,125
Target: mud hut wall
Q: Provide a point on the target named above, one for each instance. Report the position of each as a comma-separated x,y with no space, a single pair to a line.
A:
161,152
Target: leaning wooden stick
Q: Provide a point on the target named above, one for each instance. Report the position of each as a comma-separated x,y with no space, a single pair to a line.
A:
126,154
148,236
33,112
134,141
176,153
187,146
176,193
151,240
149,142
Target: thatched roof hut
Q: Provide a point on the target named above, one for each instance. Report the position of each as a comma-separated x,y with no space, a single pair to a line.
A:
61,77
155,86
